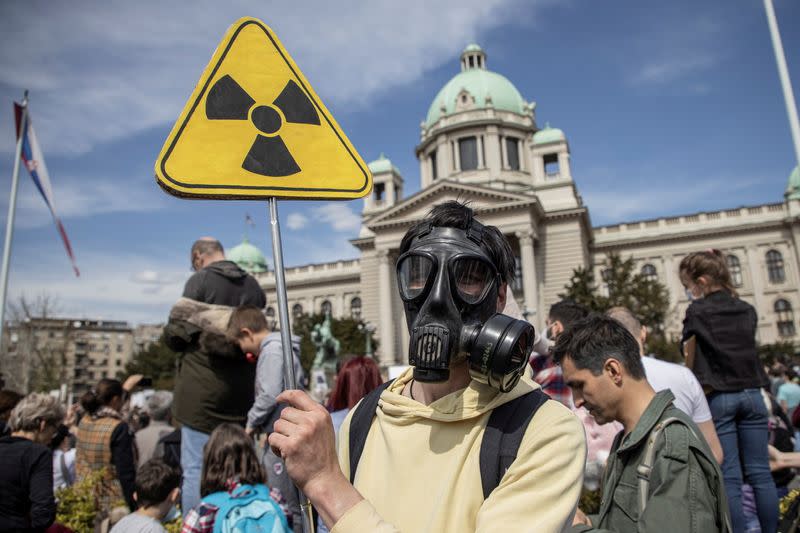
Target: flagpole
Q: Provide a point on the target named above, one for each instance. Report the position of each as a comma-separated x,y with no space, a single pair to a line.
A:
783,73
12,207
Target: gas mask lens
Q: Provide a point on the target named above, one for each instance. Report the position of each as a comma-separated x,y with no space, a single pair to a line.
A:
414,271
472,278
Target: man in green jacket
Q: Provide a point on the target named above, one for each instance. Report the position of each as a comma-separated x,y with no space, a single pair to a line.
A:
661,474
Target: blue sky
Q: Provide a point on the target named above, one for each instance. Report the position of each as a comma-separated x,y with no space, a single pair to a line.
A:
669,107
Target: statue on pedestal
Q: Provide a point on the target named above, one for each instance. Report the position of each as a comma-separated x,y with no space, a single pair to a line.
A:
323,370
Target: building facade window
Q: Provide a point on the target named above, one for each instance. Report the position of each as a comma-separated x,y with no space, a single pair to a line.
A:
468,153
378,189
775,270
783,310
551,168
326,308
649,273
355,308
271,317
434,170
297,310
735,268
512,152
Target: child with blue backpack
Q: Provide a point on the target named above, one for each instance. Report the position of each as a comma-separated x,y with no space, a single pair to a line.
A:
234,496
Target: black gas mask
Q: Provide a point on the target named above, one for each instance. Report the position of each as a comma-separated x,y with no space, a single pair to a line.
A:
449,287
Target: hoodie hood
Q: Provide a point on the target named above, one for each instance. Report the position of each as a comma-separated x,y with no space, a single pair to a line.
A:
468,403
228,269
275,336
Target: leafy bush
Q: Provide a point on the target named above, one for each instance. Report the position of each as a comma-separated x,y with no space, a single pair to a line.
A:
77,506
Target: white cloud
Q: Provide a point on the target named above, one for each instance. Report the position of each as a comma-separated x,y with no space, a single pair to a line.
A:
676,52
103,71
338,215
154,282
670,69
112,286
675,195
85,198
296,221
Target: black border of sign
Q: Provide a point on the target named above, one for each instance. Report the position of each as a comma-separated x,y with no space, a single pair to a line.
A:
253,187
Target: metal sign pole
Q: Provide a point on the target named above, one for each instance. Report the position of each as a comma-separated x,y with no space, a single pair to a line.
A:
12,207
286,336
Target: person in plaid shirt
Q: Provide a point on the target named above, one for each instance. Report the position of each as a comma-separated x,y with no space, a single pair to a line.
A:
545,371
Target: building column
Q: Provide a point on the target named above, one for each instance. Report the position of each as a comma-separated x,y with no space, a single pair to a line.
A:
672,278
456,155
481,162
755,277
503,152
493,156
795,225
386,351
528,259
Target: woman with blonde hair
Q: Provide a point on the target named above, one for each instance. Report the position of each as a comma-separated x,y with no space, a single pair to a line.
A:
722,329
26,467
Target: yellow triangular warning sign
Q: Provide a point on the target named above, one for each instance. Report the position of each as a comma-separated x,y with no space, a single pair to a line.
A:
255,128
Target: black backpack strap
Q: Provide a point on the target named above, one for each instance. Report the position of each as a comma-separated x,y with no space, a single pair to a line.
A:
503,436
360,423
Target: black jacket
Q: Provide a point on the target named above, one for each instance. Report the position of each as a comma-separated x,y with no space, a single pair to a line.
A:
725,330
26,485
215,383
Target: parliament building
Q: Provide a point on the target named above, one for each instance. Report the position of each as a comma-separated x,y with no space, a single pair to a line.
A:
481,143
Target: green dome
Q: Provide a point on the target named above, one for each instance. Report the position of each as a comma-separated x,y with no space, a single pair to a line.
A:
479,83
793,188
548,135
248,257
472,48
381,165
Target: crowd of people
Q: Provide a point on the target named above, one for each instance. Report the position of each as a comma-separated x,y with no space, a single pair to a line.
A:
492,427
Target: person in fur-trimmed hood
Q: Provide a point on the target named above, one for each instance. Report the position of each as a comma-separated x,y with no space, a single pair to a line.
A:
214,382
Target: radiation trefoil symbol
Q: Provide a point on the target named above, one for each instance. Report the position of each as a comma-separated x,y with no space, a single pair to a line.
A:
268,155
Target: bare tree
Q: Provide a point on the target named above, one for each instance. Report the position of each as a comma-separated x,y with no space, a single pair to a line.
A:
36,344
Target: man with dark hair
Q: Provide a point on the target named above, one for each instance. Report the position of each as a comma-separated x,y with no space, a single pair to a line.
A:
424,452
215,382
546,372
157,492
661,475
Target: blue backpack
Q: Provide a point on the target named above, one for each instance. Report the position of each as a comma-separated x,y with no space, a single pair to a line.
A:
247,509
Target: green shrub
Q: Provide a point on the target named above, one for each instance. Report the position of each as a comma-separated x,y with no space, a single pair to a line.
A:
77,506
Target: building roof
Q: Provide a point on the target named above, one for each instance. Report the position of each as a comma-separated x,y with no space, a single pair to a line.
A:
548,135
480,84
793,187
248,257
382,164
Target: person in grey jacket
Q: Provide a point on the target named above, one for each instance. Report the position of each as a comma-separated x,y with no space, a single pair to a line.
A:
249,329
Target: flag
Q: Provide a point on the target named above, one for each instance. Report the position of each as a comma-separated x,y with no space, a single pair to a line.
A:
249,220
34,161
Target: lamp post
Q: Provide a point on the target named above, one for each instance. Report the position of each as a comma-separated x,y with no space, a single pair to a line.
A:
783,74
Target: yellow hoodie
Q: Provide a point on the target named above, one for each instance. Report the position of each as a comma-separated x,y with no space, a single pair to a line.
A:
419,471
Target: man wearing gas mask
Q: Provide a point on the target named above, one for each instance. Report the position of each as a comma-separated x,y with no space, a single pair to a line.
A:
463,440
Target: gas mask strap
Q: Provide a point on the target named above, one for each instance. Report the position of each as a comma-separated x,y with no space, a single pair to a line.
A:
475,232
